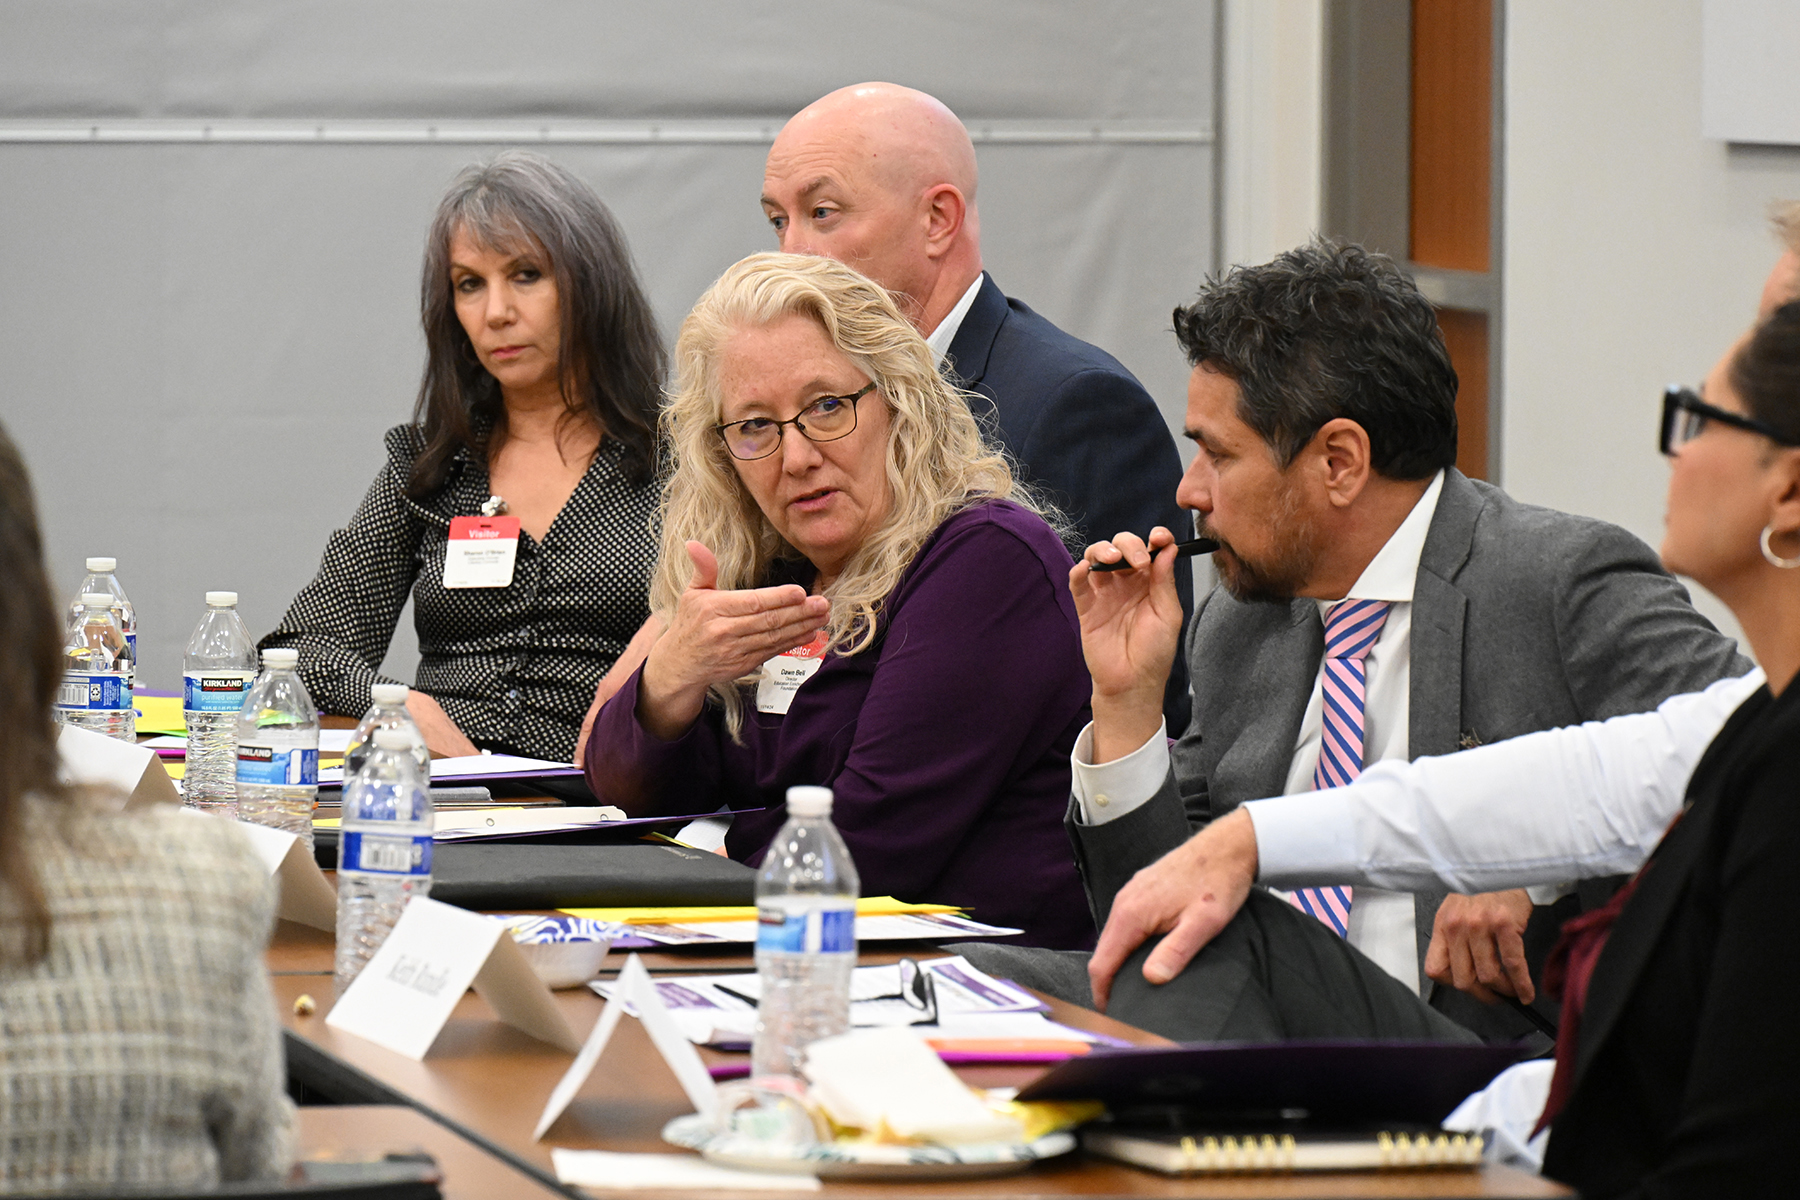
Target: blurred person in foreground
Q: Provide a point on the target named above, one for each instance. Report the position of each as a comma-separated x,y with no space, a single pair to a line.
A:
858,594
140,1046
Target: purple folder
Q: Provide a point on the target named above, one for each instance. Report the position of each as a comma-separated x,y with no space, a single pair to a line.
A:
1358,1080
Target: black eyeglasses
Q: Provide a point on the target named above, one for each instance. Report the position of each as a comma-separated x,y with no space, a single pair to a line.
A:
918,989
1684,418
824,420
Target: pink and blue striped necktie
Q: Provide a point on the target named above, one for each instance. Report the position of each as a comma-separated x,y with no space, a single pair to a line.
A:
1351,628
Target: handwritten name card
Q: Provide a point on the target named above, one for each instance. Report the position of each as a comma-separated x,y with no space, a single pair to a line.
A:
436,952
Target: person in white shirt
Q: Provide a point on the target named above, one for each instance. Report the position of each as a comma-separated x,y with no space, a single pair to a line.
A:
1374,605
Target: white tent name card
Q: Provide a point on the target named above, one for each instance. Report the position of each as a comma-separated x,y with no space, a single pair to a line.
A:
306,897
436,952
637,989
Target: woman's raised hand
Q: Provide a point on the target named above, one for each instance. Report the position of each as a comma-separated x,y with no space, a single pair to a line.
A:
715,636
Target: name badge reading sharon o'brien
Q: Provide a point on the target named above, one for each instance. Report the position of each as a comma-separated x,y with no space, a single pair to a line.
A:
481,551
783,675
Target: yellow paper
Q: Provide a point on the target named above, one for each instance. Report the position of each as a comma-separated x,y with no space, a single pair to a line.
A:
327,822
175,767
868,906
160,714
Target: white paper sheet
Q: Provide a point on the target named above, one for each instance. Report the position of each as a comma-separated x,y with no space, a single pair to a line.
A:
710,1008
689,1172
474,766
896,927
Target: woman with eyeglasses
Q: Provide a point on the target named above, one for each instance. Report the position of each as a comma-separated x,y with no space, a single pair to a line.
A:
858,594
536,418
1678,1056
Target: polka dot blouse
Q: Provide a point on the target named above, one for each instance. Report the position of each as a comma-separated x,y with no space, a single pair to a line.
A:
514,667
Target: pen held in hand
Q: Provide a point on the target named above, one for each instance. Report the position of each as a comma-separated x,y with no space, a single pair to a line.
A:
1182,550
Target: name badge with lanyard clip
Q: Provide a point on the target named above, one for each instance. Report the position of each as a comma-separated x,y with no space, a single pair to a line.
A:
783,675
481,552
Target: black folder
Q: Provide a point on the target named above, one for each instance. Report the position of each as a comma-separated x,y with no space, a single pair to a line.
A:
503,875
1419,1082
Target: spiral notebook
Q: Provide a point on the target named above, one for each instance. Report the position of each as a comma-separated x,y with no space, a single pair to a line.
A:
1214,1150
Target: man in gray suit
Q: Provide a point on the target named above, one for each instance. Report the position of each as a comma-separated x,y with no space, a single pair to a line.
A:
1323,405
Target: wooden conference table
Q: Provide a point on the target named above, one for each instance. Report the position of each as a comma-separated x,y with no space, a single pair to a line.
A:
488,1083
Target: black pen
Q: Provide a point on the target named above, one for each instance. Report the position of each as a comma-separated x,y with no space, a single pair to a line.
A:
1182,550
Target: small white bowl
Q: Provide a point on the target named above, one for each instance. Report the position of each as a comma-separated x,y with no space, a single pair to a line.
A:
564,951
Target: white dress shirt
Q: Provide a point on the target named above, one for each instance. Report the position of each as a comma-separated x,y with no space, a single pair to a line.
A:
1381,921
940,338
1577,802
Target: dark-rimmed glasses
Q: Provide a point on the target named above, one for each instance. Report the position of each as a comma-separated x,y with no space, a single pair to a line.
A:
824,420
1684,417
918,989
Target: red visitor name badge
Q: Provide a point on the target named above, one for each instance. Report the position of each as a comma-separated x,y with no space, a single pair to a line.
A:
783,675
481,551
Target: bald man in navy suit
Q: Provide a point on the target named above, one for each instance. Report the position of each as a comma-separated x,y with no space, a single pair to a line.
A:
882,178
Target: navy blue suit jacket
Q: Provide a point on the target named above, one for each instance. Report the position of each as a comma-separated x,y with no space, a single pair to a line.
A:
1081,429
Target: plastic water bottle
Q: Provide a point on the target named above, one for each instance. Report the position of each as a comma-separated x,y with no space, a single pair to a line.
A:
216,672
96,687
278,749
388,712
100,578
384,850
805,935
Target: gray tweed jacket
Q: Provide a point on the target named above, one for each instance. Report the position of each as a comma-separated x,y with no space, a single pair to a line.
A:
1524,618
143,1052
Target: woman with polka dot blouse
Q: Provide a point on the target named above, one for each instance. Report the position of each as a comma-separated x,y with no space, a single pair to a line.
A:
857,593
535,421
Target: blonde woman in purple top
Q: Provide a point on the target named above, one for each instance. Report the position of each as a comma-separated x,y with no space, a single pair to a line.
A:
857,593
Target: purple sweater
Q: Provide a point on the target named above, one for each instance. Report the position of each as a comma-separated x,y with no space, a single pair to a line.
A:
947,742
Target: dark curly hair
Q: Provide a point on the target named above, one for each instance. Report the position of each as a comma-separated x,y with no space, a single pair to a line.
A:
30,669
613,359
1327,331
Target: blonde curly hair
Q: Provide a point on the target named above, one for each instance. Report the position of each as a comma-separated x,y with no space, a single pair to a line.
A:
938,462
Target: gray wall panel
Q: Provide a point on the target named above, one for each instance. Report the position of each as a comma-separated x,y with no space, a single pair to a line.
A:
246,315
596,58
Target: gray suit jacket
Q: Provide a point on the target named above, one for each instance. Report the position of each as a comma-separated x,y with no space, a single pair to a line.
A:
1523,618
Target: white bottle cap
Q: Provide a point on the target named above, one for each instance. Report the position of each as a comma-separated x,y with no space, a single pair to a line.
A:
102,565
389,693
97,599
221,599
809,801
393,739
282,658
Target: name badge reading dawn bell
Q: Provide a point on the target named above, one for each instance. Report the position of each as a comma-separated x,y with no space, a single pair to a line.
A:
783,675
481,551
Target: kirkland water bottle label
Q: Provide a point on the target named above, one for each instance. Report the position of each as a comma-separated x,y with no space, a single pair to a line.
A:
813,931
94,692
389,854
215,692
277,768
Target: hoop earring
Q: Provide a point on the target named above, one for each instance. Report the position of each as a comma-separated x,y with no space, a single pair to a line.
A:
1786,564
